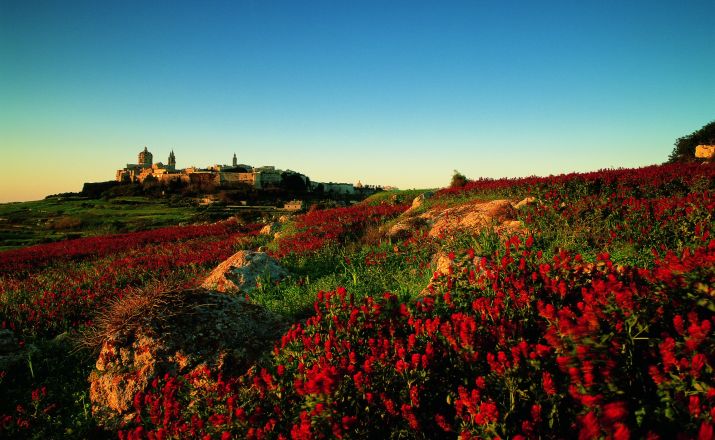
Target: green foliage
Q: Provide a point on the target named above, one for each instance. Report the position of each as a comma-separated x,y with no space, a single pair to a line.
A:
684,150
55,219
458,180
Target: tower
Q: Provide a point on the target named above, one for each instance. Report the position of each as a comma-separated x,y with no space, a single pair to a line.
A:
145,158
172,159
235,161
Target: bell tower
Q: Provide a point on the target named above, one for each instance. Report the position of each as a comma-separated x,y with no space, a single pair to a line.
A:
235,161
172,160
145,158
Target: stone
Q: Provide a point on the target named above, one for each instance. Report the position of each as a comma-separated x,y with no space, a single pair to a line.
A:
705,151
473,217
444,264
418,201
405,226
243,272
447,267
526,202
270,229
176,332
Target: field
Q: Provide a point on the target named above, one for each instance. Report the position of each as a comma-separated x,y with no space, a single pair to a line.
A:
60,218
591,319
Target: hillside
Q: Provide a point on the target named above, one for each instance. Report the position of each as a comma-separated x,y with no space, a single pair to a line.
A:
540,307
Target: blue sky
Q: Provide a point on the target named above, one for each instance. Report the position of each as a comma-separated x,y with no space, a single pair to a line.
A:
394,93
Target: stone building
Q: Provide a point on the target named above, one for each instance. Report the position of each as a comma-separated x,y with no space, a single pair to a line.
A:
225,176
145,158
137,172
294,205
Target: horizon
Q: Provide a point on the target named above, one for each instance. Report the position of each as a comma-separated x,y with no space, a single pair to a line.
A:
394,95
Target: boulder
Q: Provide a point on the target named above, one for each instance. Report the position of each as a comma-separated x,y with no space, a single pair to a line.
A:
475,216
270,228
145,335
418,201
405,226
447,267
526,202
444,264
243,272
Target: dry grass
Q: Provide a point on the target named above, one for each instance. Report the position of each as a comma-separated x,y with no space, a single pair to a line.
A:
156,304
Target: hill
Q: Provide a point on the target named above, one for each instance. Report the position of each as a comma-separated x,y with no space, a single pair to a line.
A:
541,307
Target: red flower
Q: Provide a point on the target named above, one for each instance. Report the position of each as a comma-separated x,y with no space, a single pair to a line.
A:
548,383
615,411
590,428
621,432
694,406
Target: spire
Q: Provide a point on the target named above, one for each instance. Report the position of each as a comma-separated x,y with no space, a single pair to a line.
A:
235,161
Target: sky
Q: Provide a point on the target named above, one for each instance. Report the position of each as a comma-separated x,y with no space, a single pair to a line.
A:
386,92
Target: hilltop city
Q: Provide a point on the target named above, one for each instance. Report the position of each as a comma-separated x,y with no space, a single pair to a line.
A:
230,176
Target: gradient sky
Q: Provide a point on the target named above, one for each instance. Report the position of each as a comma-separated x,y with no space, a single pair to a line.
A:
388,92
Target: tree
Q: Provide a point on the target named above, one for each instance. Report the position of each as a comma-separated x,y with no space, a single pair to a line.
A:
684,150
458,180
293,182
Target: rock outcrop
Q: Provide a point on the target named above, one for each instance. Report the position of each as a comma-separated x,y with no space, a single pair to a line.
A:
471,217
475,216
174,332
418,201
706,152
243,272
405,226
270,228
526,202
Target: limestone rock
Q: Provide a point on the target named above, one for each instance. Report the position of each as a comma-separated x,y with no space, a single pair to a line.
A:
243,271
405,226
447,267
270,228
444,264
705,151
475,216
176,332
526,202
420,200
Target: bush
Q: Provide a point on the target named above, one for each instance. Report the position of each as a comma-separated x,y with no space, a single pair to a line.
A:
458,180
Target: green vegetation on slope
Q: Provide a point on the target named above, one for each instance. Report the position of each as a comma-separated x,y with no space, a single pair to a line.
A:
55,219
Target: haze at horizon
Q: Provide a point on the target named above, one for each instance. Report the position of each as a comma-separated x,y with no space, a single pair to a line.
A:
398,94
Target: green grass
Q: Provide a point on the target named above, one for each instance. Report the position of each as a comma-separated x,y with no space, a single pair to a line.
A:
43,221
399,196
404,273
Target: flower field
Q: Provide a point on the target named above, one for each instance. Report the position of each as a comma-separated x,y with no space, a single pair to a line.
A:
596,321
